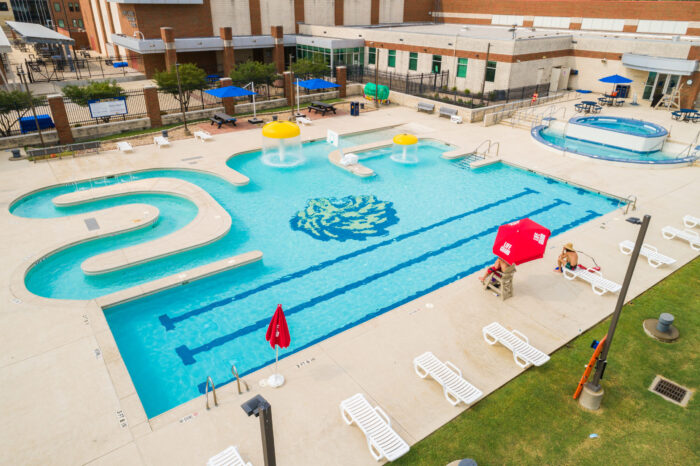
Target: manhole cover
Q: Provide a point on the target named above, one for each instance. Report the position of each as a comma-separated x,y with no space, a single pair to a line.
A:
671,391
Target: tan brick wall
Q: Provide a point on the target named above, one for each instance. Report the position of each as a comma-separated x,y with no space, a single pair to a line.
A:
417,10
90,26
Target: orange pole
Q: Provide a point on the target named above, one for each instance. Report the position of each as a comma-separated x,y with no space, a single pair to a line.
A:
589,367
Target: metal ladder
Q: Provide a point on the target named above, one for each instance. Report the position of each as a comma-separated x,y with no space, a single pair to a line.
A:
234,371
213,391
631,202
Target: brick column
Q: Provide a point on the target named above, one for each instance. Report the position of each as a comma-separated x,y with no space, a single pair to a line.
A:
289,87
278,51
226,34
339,12
150,94
374,12
168,36
60,119
229,102
341,74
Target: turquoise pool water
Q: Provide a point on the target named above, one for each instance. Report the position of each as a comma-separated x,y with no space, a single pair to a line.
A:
338,250
555,139
624,125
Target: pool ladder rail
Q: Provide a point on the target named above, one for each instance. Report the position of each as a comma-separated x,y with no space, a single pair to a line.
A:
234,372
210,381
213,391
631,201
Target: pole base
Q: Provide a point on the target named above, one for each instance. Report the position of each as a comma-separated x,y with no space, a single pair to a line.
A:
590,399
275,380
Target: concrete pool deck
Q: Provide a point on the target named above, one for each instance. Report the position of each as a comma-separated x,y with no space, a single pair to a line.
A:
66,394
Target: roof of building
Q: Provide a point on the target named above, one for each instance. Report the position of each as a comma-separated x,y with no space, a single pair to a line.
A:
5,46
31,32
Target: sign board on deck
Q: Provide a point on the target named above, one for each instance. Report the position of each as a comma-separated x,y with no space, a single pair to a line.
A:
332,138
101,108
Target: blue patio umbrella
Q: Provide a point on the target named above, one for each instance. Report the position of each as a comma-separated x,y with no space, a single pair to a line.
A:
615,79
232,91
314,84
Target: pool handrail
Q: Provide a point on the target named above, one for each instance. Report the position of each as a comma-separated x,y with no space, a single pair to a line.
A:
213,391
234,372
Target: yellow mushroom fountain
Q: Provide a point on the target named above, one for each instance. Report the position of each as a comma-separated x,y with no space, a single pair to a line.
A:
281,144
405,148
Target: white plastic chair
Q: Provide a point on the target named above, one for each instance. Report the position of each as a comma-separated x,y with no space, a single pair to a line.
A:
124,146
690,236
599,284
456,119
382,440
524,354
161,141
303,120
228,457
654,257
690,221
454,387
202,135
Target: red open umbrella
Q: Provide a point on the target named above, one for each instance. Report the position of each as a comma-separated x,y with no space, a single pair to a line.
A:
278,336
521,241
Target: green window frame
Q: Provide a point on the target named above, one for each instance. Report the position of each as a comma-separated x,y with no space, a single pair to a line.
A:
372,56
391,62
490,71
56,7
61,24
437,64
413,61
462,67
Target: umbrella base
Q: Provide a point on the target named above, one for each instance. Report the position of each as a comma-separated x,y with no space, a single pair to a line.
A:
275,380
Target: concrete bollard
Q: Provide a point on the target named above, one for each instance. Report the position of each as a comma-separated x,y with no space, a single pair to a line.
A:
665,322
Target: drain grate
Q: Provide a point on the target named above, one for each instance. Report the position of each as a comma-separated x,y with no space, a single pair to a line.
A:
671,391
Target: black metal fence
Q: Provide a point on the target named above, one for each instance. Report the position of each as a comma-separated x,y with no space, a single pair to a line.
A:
10,119
434,86
62,69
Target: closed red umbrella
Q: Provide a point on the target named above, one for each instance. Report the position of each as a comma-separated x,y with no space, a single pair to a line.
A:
521,241
278,336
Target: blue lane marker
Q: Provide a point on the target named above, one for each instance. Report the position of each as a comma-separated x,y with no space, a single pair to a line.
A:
187,354
169,322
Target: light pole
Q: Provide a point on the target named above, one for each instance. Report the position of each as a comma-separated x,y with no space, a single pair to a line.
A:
182,105
592,393
259,407
23,80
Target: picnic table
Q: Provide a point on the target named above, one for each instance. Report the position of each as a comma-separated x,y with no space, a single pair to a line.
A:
686,114
213,78
27,124
588,106
321,107
225,118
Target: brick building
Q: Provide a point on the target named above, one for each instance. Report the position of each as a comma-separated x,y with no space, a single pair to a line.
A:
483,44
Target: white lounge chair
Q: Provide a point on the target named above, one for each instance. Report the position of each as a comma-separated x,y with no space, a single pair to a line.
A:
124,146
652,254
202,135
382,440
456,119
687,235
228,457
599,284
303,120
691,222
523,353
161,141
454,386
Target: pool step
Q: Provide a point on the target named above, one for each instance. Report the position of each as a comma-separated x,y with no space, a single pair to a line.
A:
465,162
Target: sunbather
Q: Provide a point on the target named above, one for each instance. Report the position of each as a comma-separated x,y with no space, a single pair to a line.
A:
568,258
499,266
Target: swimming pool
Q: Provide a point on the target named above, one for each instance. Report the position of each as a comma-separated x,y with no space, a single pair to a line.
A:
622,125
338,250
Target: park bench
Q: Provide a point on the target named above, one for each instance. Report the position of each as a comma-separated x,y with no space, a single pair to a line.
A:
62,151
426,107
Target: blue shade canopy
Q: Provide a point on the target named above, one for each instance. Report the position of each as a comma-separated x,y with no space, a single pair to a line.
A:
313,84
615,79
230,91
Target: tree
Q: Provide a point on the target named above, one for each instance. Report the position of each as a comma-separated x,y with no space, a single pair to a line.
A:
80,95
306,67
192,78
255,71
13,106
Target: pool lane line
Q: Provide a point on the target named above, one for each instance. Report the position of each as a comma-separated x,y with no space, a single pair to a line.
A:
169,322
187,354
591,215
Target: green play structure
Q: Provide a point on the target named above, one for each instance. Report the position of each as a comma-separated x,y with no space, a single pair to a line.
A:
381,92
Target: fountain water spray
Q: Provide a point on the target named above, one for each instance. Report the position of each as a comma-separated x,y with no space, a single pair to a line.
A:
282,144
405,149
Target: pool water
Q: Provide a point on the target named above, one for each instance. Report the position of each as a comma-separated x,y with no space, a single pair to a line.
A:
338,250
555,139
624,125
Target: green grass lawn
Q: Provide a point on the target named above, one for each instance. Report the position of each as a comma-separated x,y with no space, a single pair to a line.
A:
534,420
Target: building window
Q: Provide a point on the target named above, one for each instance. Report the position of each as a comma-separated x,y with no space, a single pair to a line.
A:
61,24
437,64
77,7
75,23
391,63
70,6
462,68
80,23
490,71
3,6
56,7
413,61
372,56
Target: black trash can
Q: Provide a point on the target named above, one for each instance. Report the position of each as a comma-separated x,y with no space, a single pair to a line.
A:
164,133
15,153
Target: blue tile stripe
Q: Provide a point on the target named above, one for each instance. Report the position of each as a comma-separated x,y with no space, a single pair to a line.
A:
169,322
187,354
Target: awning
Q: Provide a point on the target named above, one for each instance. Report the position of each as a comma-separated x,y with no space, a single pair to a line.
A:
5,46
31,32
666,65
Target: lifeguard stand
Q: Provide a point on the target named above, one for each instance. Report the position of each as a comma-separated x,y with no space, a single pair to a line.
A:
672,100
501,283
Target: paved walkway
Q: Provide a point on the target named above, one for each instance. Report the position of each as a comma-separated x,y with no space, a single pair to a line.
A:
66,395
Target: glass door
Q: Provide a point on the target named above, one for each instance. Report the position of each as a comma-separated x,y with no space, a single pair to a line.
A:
649,85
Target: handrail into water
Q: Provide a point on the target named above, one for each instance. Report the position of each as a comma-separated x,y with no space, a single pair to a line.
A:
234,371
489,145
690,146
498,148
213,391
631,201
